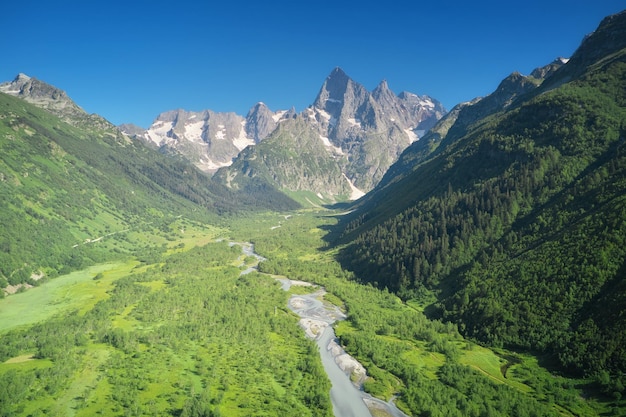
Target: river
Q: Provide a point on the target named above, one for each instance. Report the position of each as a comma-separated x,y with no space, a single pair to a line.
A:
316,319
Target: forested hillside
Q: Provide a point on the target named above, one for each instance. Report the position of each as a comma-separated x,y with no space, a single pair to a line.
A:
519,224
71,196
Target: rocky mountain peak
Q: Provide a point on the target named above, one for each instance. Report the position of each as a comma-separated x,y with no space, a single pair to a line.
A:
260,107
210,140
382,87
337,91
33,90
382,91
547,70
338,74
369,129
260,122
52,99
21,77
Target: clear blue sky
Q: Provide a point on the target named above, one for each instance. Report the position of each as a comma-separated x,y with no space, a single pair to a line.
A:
130,60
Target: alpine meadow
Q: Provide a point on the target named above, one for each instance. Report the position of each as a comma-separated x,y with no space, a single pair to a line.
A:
372,255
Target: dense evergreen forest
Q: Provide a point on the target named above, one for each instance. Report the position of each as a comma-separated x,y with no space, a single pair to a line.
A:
425,364
519,226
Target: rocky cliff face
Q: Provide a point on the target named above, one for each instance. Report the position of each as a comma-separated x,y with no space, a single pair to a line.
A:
261,121
362,132
209,139
340,146
370,129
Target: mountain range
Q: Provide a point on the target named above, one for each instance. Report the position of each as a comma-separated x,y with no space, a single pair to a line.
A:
359,133
209,139
509,212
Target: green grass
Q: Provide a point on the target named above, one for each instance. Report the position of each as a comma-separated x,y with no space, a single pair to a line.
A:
24,362
77,290
490,364
427,361
85,380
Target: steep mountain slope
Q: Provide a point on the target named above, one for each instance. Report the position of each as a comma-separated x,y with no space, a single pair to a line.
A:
455,124
74,194
295,159
339,146
208,139
518,220
371,129
62,186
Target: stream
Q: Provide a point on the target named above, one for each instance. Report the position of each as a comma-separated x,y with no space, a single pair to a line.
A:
345,373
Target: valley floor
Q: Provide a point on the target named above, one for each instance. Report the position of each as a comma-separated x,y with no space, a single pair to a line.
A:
190,334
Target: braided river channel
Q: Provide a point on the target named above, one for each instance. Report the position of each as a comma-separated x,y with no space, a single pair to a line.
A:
345,373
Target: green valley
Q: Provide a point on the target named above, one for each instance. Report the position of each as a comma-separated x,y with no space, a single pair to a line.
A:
484,276
188,335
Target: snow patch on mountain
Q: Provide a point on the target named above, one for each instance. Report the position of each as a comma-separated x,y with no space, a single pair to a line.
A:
330,146
220,134
412,135
159,131
354,122
427,103
324,114
193,131
355,193
311,115
209,165
242,141
278,115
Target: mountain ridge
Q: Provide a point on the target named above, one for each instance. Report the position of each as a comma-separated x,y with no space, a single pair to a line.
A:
514,218
53,99
362,133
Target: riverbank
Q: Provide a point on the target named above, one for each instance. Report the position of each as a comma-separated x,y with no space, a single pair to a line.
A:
347,375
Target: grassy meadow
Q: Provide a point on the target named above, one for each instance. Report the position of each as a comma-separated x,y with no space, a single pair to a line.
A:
181,332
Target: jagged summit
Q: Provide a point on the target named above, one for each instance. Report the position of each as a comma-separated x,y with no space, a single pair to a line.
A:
210,140
21,77
338,73
261,121
381,90
547,70
337,88
31,89
354,133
